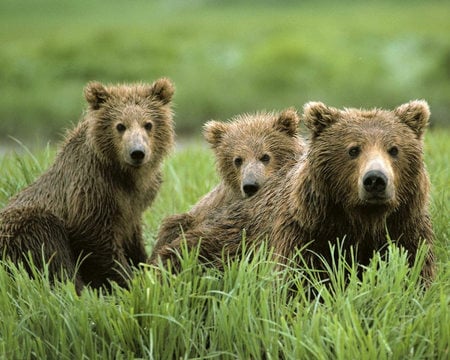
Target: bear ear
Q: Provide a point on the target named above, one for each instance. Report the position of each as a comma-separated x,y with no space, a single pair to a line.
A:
415,114
287,122
317,116
163,90
95,94
213,132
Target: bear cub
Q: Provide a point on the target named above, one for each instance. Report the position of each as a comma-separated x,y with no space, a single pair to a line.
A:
249,149
87,206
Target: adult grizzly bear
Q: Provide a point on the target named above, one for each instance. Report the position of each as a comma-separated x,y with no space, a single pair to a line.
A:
363,178
249,149
88,204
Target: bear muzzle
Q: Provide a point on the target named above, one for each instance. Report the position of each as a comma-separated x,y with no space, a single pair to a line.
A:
376,187
137,156
376,180
252,179
250,189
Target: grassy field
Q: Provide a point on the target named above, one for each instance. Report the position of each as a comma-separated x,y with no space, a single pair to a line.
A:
245,312
224,57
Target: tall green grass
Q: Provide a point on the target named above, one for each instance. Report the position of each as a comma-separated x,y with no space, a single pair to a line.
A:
225,58
247,311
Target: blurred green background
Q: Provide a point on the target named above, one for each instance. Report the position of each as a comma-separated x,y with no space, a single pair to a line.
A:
225,57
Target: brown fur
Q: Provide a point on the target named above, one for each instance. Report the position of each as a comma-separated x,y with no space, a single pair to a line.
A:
88,204
263,143
324,198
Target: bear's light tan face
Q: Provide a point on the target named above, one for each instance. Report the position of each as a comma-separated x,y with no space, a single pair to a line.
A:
367,161
376,176
363,163
251,148
131,124
252,169
133,132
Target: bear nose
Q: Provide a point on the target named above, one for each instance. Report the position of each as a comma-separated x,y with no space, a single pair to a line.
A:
250,189
375,181
137,155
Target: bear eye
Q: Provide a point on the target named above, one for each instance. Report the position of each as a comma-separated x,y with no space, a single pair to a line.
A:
120,127
237,161
354,151
265,158
148,126
393,151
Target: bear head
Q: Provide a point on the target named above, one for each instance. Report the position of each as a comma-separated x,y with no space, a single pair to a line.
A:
130,124
252,147
367,161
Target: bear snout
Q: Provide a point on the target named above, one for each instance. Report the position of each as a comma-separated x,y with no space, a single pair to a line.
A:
375,182
137,155
252,179
376,187
250,189
376,179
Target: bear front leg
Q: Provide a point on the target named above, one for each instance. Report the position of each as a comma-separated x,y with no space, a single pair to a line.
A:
210,250
116,269
172,228
121,271
135,249
172,252
103,261
167,253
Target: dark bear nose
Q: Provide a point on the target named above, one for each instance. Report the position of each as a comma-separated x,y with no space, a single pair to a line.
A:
137,155
250,189
375,181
